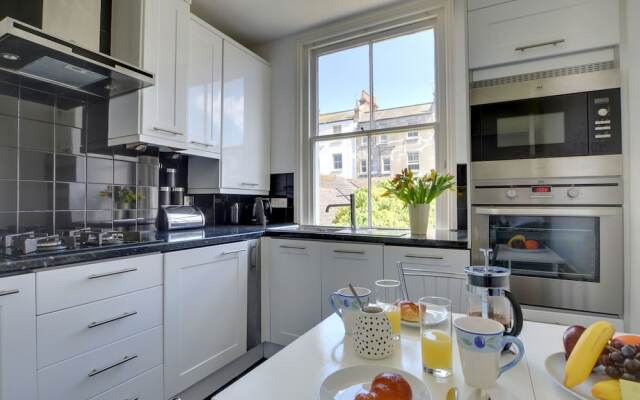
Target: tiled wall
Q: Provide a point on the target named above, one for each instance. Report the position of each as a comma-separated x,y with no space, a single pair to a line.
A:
461,187
56,171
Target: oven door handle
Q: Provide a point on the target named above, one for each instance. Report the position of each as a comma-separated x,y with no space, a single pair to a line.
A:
551,212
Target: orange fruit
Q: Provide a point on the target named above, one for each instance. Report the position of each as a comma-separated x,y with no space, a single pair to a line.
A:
531,244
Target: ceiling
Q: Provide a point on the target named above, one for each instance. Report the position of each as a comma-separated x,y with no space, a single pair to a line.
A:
254,22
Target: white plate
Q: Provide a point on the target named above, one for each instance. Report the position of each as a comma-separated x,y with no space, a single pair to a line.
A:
344,384
541,250
555,367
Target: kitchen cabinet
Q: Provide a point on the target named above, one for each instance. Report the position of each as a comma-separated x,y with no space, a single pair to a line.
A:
204,90
205,312
360,264
18,337
443,270
503,32
162,45
294,287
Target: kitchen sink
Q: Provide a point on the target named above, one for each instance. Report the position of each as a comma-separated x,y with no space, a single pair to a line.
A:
374,232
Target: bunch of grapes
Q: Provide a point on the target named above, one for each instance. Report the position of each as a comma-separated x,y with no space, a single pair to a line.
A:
621,361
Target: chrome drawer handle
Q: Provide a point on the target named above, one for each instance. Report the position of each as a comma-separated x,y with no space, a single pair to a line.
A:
8,292
349,251
112,319
292,247
95,372
249,184
424,257
542,44
122,271
172,131
226,253
133,398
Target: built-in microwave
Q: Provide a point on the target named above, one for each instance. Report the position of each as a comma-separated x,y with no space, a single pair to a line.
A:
554,117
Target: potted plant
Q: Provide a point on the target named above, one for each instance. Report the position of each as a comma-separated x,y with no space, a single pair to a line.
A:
417,193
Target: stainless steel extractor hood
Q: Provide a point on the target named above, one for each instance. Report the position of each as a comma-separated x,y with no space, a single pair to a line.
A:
63,67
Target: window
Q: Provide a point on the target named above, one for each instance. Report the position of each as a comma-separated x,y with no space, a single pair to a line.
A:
384,89
386,165
337,161
413,160
363,166
337,129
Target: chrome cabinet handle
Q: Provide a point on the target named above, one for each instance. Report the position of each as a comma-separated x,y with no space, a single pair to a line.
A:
122,271
8,292
292,247
424,257
133,398
200,143
249,184
95,371
173,131
112,319
542,44
349,251
226,253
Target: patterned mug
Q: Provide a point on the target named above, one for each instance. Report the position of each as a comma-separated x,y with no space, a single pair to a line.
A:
481,342
345,304
372,334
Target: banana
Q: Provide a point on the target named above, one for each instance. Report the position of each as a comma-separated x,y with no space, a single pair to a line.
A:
586,352
516,237
607,390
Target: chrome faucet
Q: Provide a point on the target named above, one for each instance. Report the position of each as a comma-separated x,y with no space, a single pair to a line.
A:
352,204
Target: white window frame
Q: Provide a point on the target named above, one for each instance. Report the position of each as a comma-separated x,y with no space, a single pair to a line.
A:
365,170
437,13
333,161
413,135
385,141
413,163
382,163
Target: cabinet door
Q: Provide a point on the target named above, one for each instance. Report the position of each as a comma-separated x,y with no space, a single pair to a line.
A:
360,264
166,38
204,88
245,121
18,337
524,30
205,312
294,288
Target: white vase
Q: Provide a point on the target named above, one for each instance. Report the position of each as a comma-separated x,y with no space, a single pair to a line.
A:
418,218
372,336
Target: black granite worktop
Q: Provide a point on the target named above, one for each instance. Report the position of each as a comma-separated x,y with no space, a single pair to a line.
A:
162,242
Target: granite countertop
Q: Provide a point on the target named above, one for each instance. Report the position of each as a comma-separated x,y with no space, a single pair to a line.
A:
161,242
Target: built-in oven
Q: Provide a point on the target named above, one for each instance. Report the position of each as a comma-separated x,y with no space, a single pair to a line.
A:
563,116
562,239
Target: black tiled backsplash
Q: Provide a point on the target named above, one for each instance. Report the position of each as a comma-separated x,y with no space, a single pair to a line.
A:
461,184
57,171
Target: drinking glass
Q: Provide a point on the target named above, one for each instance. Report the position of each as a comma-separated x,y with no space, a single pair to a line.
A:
435,334
388,296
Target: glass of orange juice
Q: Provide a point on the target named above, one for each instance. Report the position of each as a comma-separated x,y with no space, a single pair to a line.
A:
435,334
388,298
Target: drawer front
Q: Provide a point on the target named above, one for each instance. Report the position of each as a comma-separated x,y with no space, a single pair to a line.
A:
205,254
67,333
147,386
86,283
445,261
95,372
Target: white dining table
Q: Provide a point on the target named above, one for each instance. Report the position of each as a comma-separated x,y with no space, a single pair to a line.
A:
298,370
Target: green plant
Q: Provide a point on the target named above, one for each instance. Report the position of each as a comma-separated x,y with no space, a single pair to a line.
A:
414,190
127,195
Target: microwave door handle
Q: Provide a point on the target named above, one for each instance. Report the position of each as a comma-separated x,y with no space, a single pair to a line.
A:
549,212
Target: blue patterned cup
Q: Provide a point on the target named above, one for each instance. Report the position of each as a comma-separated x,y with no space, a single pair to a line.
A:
480,342
345,304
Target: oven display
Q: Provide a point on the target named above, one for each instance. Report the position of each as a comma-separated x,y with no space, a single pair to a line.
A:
541,189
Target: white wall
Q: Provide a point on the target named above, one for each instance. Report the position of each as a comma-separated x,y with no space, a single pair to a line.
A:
630,67
284,69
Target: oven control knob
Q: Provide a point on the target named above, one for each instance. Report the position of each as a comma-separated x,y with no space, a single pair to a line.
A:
573,193
512,194
603,112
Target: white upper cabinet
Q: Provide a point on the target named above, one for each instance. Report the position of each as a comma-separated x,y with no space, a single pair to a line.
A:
18,337
245,121
164,35
204,90
502,32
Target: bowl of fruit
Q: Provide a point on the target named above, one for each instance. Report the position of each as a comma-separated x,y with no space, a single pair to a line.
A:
522,243
597,365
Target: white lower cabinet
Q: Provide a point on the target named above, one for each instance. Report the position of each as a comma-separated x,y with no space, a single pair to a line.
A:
94,372
205,312
147,386
18,337
295,294
343,263
443,271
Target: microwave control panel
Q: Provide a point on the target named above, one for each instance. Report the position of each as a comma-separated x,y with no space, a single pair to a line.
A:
604,122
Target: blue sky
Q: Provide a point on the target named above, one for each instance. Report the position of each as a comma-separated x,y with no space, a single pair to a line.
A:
403,73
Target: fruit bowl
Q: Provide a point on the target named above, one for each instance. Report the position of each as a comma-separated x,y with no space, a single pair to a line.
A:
555,364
